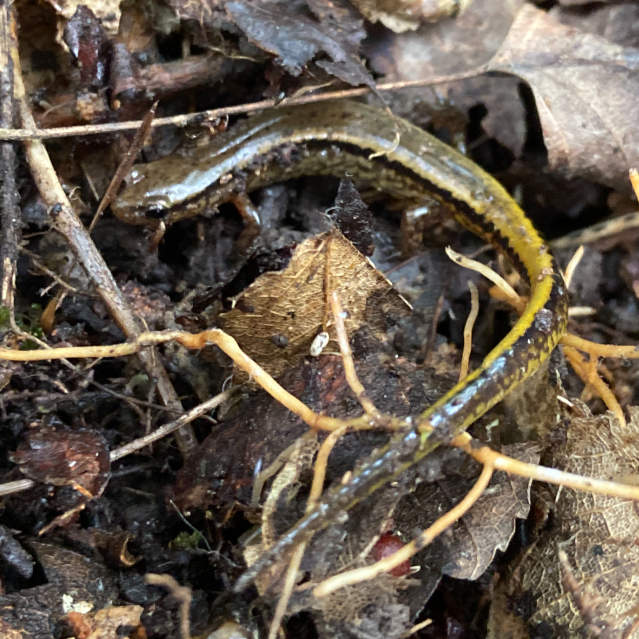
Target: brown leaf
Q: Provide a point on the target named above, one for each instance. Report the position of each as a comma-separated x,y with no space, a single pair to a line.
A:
276,319
447,47
465,550
598,533
353,218
617,22
65,458
455,46
586,92
87,42
490,523
296,38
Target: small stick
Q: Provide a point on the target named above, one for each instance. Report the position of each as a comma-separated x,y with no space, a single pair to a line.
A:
587,372
212,114
468,330
485,455
65,220
510,294
347,360
319,474
572,265
181,593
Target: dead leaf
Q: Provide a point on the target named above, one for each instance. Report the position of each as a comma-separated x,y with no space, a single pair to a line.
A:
586,92
598,533
407,15
276,319
450,46
107,11
87,42
296,38
73,583
490,523
455,46
465,550
617,22
108,621
353,218
66,458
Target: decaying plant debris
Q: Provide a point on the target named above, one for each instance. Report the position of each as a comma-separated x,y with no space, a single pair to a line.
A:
150,452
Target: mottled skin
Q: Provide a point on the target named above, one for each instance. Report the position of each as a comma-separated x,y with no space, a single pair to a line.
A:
351,138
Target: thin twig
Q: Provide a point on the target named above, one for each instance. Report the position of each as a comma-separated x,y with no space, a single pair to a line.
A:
125,164
181,593
9,209
197,341
347,360
586,369
140,442
572,265
212,114
319,474
47,271
486,455
171,427
17,486
468,330
65,220
511,295
600,350
599,231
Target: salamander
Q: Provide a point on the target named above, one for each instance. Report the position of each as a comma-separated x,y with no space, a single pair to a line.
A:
391,155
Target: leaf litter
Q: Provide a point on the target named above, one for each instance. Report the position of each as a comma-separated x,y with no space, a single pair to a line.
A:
564,55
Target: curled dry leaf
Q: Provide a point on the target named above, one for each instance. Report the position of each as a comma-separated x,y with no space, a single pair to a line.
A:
465,550
296,38
276,319
597,587
586,91
490,524
66,458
